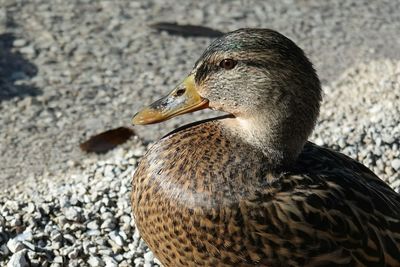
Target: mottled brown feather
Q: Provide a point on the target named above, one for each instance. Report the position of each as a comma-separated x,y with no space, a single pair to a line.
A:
201,204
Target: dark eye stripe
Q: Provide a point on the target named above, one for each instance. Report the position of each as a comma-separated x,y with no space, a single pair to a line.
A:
203,71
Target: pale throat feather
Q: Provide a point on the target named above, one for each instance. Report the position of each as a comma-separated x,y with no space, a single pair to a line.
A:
257,132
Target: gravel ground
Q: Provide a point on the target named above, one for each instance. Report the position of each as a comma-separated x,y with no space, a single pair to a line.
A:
69,69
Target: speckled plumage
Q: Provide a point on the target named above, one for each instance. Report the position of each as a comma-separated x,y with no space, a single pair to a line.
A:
224,210
203,196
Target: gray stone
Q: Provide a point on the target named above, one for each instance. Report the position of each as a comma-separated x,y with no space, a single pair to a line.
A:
72,214
29,50
19,42
14,245
108,224
56,245
4,250
58,259
56,236
116,238
119,257
148,257
2,221
61,220
25,236
396,164
110,262
93,232
92,250
15,222
92,225
109,171
95,261
74,200
64,202
130,254
18,259
138,261
105,251
70,238
31,207
29,245
73,254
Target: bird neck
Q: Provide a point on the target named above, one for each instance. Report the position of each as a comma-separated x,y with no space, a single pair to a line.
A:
274,138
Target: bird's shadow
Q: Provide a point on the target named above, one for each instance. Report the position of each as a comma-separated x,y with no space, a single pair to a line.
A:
13,68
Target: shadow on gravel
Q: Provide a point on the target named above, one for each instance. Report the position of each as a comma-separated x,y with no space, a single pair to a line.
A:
13,68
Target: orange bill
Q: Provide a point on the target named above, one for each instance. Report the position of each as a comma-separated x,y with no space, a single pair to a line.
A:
183,99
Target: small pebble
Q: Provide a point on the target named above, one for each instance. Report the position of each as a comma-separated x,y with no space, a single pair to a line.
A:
19,42
95,261
72,214
396,164
18,259
148,257
14,245
93,225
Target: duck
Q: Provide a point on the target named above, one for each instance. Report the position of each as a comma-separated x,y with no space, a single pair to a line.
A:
247,188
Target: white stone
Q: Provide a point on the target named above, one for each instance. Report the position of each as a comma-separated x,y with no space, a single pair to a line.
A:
14,245
396,164
19,42
73,254
18,259
92,225
29,50
95,261
72,214
148,257
116,238
110,262
108,224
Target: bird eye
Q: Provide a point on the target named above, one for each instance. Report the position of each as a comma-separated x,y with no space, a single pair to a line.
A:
227,64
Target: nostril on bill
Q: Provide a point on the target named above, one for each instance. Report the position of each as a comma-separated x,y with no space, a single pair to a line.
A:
180,92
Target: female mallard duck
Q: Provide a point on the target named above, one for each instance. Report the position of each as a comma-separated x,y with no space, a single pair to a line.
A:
247,189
